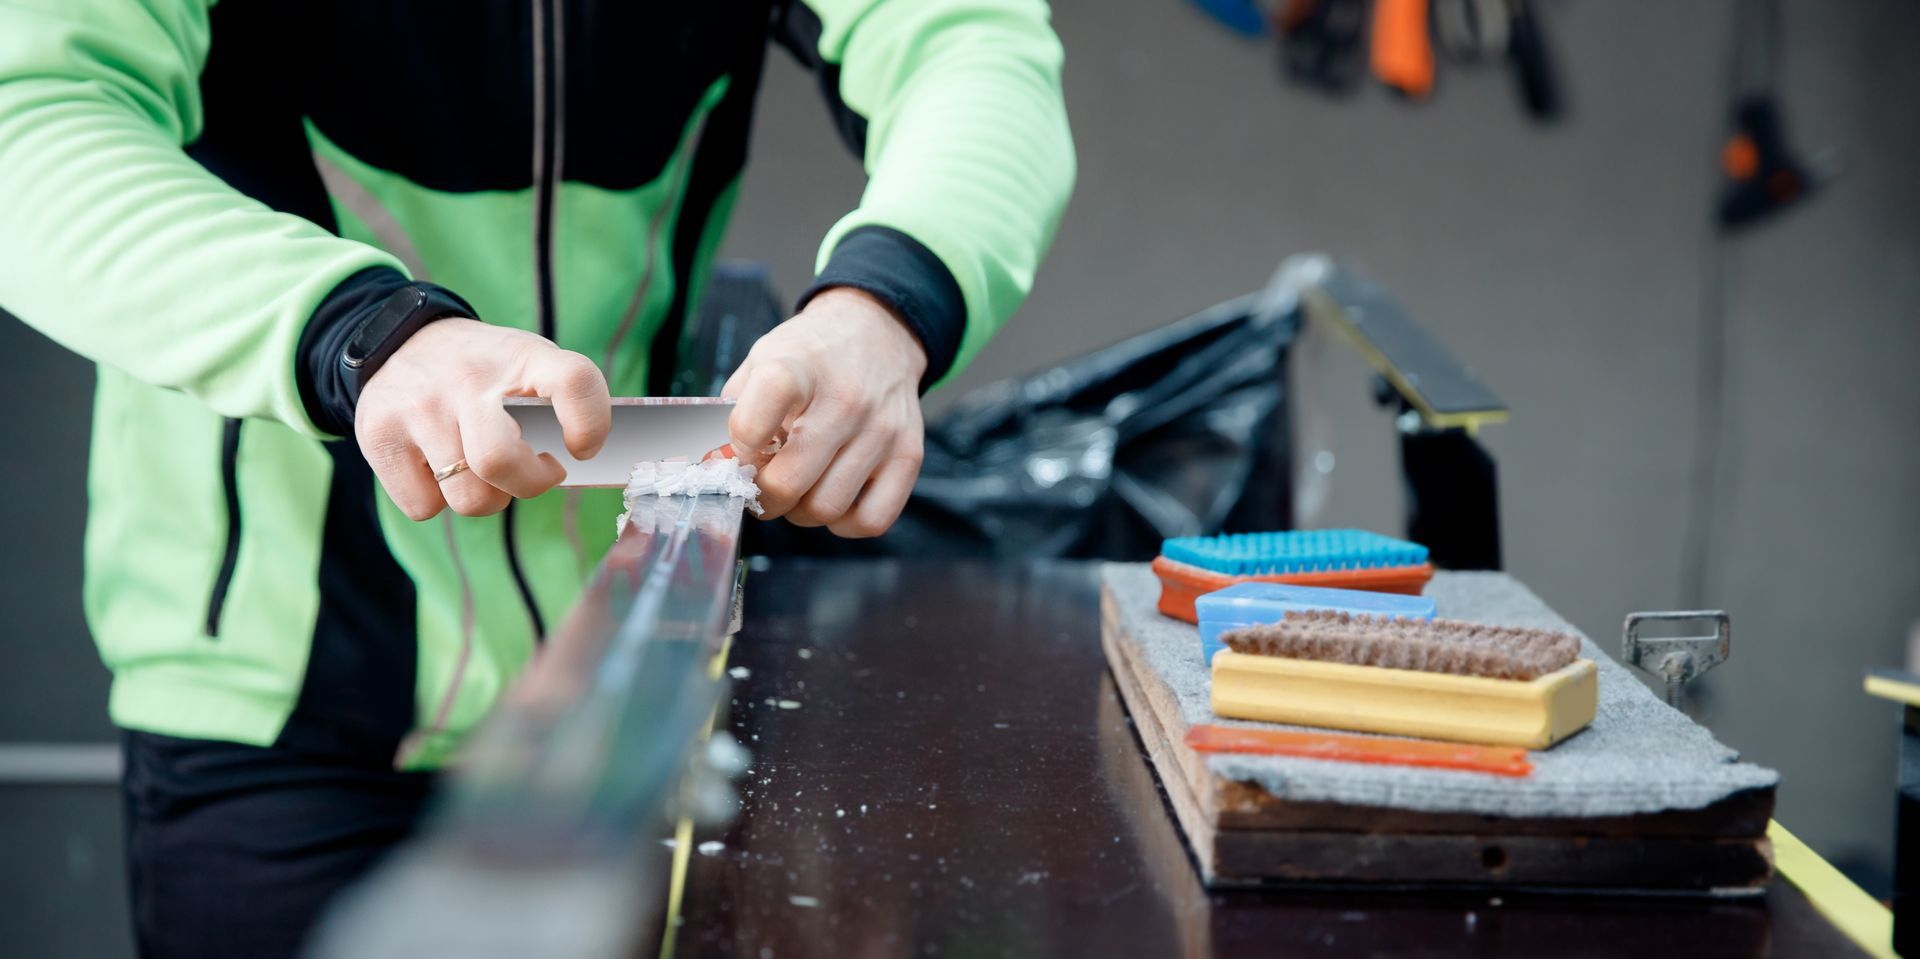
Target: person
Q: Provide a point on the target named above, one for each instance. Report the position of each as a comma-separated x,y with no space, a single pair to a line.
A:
312,246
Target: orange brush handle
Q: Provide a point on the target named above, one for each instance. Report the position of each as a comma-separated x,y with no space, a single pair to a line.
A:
1181,584
1402,53
1497,760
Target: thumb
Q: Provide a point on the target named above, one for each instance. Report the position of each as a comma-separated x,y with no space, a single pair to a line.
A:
738,381
770,396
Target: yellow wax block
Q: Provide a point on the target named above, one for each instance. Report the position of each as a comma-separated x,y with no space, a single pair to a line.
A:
1402,702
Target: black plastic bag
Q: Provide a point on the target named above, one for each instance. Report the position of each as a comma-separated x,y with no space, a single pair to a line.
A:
1179,431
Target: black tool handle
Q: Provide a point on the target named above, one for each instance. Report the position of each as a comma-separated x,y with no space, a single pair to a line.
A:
1527,47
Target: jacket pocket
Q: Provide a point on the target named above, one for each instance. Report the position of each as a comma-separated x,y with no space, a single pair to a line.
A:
230,485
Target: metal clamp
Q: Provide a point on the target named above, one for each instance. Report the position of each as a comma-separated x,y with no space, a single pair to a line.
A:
1677,659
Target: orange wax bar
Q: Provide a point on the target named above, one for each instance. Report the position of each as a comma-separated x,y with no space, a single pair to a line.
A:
1497,760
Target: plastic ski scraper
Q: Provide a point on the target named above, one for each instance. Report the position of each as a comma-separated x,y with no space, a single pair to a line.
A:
644,428
1378,750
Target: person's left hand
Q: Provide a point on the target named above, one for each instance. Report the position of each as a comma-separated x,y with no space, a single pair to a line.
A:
837,388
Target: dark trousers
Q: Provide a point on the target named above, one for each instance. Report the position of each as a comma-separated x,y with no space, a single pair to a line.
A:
236,850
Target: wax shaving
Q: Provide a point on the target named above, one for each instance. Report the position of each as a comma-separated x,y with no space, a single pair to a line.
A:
678,477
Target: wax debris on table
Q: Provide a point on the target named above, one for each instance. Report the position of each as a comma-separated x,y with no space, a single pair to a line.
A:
678,477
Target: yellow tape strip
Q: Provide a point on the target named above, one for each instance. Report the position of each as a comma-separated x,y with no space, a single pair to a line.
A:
1894,689
1861,917
677,886
683,831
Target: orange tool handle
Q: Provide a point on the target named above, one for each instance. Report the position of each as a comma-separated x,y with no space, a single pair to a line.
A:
1402,52
1181,584
1379,750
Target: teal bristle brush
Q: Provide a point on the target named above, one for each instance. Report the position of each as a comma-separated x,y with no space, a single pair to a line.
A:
1190,566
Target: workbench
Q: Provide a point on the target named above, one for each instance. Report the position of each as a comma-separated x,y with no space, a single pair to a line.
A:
942,766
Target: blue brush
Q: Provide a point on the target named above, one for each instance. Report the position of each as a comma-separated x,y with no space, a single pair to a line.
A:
1190,566
1294,551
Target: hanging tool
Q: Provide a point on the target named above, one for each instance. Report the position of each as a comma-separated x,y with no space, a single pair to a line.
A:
1402,53
1241,16
1527,50
1471,30
1763,174
1320,42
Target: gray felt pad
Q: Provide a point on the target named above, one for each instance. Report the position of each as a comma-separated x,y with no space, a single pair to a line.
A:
1639,756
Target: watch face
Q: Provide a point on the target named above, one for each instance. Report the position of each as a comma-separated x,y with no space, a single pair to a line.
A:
366,341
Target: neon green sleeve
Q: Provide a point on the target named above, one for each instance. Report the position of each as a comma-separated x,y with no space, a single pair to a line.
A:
967,148
119,246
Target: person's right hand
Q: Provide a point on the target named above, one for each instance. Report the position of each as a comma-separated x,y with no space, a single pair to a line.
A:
437,401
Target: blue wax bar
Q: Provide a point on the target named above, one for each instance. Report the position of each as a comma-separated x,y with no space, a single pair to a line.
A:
1258,604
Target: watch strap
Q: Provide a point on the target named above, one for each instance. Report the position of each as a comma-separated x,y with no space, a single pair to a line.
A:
382,331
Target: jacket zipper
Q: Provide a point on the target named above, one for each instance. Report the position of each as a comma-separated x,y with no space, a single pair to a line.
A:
546,152
547,132
420,738
230,558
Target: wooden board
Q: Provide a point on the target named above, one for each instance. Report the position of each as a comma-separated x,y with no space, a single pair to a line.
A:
1240,834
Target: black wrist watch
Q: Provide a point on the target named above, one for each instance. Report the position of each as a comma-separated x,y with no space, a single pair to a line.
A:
400,315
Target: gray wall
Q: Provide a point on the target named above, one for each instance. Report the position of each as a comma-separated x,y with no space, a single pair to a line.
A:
1566,264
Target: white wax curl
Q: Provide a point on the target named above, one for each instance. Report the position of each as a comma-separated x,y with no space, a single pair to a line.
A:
677,477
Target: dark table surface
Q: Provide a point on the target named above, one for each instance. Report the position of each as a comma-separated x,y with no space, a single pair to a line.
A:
942,766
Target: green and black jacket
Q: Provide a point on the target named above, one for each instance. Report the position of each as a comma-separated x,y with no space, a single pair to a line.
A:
202,198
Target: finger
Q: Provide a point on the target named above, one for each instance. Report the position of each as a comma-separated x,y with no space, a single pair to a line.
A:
731,391
883,499
580,400
772,394
834,493
402,470
465,493
812,442
738,381
497,454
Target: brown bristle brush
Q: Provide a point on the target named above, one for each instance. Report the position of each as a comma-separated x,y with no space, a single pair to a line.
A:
1431,646
1433,679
